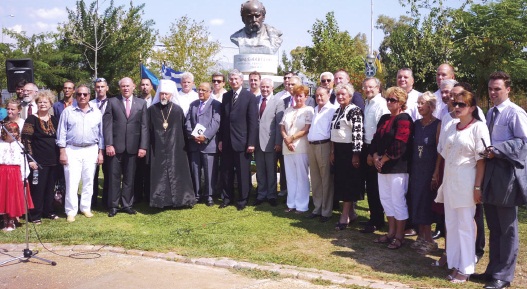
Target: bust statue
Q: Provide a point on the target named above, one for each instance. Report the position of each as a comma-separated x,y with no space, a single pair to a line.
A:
256,37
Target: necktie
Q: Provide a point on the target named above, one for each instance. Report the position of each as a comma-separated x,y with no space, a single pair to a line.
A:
262,106
102,104
200,106
495,112
235,97
127,107
29,109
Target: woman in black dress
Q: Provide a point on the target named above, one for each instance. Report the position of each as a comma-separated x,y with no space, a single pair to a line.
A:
38,136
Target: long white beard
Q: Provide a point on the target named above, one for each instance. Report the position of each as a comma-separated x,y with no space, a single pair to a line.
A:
164,101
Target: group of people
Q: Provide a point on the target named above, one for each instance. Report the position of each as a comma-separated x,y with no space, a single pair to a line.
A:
421,158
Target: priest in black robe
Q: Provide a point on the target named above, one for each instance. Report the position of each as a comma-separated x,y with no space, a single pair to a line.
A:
170,180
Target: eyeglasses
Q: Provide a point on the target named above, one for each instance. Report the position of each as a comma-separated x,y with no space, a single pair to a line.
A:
394,100
100,79
82,94
459,104
217,81
325,80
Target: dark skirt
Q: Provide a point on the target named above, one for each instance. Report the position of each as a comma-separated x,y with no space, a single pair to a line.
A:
348,183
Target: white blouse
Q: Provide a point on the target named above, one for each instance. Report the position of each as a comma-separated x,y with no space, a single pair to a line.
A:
11,154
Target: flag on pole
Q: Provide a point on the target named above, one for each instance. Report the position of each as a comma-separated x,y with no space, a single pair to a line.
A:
145,73
169,73
378,63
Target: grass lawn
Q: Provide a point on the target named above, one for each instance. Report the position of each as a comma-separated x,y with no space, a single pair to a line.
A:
261,234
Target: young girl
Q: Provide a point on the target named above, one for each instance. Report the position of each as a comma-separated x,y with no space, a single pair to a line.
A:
13,108
12,165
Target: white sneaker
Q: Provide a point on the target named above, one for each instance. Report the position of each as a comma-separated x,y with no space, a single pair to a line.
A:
88,214
70,219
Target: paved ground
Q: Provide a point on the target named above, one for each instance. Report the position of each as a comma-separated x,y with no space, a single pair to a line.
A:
84,267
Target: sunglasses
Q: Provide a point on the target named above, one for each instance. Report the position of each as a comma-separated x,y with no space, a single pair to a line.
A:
459,104
100,79
325,80
82,94
394,100
217,81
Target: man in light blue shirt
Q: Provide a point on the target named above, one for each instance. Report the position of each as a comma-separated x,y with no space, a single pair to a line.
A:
79,137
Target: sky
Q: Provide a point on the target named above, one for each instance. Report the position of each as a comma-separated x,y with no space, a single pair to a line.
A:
222,18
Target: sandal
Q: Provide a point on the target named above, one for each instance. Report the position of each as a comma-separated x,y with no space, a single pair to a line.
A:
9,226
384,239
441,262
458,277
418,243
289,210
395,244
427,248
341,226
53,217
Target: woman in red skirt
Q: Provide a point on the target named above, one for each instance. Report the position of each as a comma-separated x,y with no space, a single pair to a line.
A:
12,165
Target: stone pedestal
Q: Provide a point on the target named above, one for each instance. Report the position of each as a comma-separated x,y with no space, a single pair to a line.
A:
266,64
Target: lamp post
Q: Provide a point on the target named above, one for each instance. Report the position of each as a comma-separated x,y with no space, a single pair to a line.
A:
370,69
2,27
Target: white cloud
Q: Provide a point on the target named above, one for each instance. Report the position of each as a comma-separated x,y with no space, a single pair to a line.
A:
50,14
216,22
17,28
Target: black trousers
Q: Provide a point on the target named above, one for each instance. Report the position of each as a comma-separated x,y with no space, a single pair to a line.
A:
241,162
372,190
122,190
503,241
480,231
106,182
43,193
142,181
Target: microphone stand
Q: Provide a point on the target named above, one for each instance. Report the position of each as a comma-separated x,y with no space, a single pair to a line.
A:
26,253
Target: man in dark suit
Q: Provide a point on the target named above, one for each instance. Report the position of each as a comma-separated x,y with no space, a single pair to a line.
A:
238,133
126,138
202,144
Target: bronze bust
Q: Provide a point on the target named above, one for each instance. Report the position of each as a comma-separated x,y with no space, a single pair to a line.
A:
256,37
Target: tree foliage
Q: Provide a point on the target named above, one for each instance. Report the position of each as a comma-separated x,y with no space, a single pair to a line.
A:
333,50
187,48
112,42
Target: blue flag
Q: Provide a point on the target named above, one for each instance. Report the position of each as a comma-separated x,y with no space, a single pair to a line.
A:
145,73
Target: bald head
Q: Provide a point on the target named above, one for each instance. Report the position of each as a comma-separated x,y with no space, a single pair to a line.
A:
444,71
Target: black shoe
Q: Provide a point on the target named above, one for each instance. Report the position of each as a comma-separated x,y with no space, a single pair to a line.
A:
481,277
129,211
112,212
272,202
258,202
240,207
223,205
324,219
312,216
368,229
497,284
210,203
437,234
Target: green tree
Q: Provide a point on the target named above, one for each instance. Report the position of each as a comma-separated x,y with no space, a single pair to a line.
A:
492,37
112,42
187,48
50,63
333,49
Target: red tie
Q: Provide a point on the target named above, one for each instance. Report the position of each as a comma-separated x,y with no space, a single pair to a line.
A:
29,109
127,108
262,106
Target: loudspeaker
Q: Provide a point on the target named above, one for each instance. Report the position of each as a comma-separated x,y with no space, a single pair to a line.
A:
16,70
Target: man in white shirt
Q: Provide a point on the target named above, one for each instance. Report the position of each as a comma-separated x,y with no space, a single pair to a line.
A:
375,107
405,80
318,153
444,71
186,95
